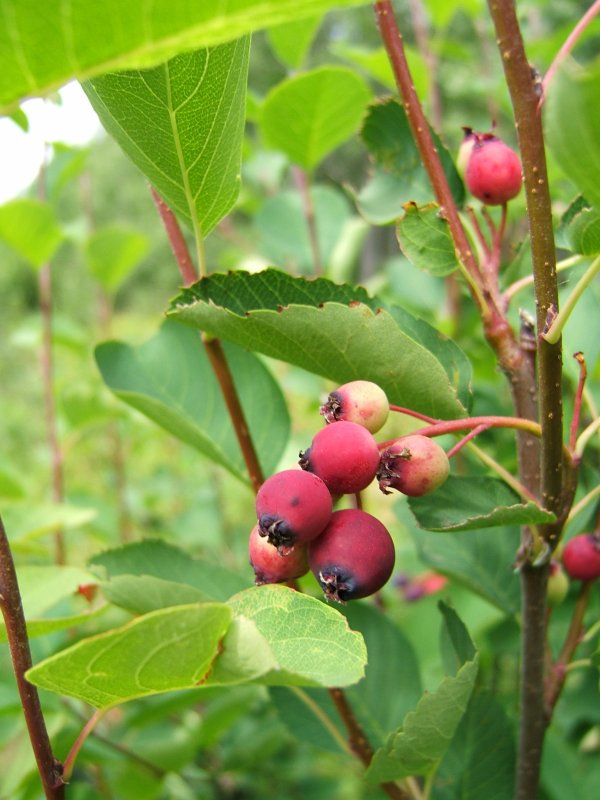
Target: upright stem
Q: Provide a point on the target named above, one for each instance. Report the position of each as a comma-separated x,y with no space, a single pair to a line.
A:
303,184
16,632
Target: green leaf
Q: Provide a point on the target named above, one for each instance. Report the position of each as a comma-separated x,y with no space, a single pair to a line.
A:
292,40
572,117
456,644
169,564
337,331
44,627
425,239
166,650
426,733
481,759
583,231
31,229
463,504
42,52
311,641
170,380
141,594
309,115
182,124
26,521
481,560
281,225
376,63
112,253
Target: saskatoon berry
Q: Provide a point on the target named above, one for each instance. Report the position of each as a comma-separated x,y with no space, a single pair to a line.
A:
464,151
558,584
494,171
414,465
345,456
363,402
271,567
581,556
292,507
353,557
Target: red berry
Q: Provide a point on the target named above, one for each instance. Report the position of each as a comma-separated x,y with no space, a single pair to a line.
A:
271,567
292,507
353,557
414,465
363,402
493,173
581,556
345,456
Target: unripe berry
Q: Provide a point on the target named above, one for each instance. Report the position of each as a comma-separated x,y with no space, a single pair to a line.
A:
353,557
345,456
493,172
581,556
292,508
464,152
363,402
271,567
558,584
414,465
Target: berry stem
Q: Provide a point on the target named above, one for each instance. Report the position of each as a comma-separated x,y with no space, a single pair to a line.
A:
558,321
440,427
89,726
528,280
410,413
466,439
506,476
585,437
583,503
579,357
16,633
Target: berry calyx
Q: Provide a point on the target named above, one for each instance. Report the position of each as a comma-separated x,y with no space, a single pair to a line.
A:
353,557
292,508
414,465
345,456
270,566
494,173
581,556
363,402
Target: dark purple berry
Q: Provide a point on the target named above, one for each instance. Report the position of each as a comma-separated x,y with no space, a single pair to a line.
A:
345,456
270,566
363,402
414,465
292,508
581,557
353,557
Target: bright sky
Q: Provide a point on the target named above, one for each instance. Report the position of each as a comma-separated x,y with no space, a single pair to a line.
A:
73,122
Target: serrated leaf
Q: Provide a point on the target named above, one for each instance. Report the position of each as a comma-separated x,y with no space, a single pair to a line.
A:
42,52
426,733
112,252
425,239
463,504
31,229
291,41
170,564
182,125
163,651
170,380
309,115
572,117
337,331
311,641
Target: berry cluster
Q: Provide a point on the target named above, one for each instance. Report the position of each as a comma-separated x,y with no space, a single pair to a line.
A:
349,551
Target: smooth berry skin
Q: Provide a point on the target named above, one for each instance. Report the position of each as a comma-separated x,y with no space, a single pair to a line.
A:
558,584
414,465
292,507
363,402
271,567
353,557
494,173
344,455
581,557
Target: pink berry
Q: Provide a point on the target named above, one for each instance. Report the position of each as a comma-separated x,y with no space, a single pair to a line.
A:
345,456
493,173
292,507
414,465
271,567
581,556
353,557
363,402
464,151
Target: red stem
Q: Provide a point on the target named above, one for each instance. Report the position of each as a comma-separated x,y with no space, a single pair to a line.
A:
578,400
440,427
466,439
177,240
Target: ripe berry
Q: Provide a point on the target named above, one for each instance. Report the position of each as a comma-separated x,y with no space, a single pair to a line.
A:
345,456
414,465
292,507
493,171
271,567
353,557
363,402
581,556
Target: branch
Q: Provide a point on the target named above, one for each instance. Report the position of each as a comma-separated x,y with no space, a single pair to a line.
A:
16,632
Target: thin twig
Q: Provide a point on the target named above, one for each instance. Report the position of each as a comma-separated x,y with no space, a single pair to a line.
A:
16,632
302,181
579,357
